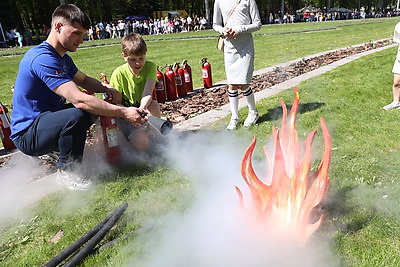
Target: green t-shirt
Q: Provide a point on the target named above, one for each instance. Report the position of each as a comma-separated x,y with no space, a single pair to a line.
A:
132,87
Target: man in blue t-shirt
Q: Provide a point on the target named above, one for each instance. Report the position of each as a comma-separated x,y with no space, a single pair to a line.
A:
41,121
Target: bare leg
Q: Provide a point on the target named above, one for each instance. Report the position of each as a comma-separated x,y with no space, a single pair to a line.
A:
395,92
396,87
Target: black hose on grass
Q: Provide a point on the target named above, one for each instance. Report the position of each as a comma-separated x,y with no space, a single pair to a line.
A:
86,250
77,244
110,243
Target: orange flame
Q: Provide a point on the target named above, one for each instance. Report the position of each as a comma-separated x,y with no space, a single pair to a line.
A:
293,192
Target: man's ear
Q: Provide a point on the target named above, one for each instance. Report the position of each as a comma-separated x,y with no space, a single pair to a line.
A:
57,25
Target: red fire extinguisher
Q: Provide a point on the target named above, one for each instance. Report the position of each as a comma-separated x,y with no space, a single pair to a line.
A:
159,88
187,71
206,73
110,133
5,129
180,80
103,78
170,84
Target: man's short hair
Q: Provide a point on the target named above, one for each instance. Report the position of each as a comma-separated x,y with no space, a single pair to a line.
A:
72,14
133,44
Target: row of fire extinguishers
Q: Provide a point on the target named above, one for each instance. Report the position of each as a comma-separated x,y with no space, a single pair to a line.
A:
177,81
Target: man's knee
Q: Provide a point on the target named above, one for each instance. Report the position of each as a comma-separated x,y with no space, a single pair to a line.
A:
78,115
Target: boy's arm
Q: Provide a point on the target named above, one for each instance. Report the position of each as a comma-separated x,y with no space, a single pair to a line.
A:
147,94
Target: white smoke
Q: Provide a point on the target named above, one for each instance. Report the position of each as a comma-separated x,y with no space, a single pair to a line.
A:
24,180
20,188
213,231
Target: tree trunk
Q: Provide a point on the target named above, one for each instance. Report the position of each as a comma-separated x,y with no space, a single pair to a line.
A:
207,14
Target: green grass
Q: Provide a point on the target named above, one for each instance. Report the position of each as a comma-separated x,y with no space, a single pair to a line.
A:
362,216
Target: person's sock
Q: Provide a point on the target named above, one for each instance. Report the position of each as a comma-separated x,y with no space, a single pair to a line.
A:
234,103
249,95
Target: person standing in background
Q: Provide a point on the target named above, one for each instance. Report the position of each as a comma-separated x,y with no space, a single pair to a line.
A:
18,37
396,72
238,52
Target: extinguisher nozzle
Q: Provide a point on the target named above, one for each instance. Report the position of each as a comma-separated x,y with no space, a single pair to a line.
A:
144,115
163,126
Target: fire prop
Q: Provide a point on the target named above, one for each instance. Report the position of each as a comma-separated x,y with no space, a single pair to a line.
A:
290,200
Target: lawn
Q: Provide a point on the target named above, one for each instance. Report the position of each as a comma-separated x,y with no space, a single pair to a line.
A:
182,204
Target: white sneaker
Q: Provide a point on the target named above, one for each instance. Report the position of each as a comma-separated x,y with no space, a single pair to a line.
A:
72,181
392,105
50,157
233,124
251,119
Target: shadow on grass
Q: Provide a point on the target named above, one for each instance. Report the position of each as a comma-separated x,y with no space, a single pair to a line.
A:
127,170
339,208
276,113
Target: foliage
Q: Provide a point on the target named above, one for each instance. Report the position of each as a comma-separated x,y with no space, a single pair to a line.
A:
35,13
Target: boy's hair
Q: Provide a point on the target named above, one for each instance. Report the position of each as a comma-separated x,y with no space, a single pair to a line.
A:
133,44
72,14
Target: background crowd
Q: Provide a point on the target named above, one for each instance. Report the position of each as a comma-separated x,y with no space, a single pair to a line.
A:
120,28
167,25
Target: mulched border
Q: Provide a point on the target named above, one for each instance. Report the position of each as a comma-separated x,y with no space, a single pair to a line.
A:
203,100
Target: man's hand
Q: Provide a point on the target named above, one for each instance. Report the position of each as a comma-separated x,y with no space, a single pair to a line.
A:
134,116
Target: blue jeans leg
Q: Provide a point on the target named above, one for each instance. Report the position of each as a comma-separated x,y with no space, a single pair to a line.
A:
63,131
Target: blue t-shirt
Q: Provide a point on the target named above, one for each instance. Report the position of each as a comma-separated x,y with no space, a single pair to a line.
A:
40,71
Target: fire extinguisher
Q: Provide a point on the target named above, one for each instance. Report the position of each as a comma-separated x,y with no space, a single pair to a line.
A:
206,73
110,133
170,84
5,129
180,80
187,71
159,88
103,78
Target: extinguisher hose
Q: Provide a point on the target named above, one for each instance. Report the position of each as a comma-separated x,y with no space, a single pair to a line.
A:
83,253
99,231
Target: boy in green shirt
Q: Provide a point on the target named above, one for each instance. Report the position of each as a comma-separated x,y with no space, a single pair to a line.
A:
136,80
